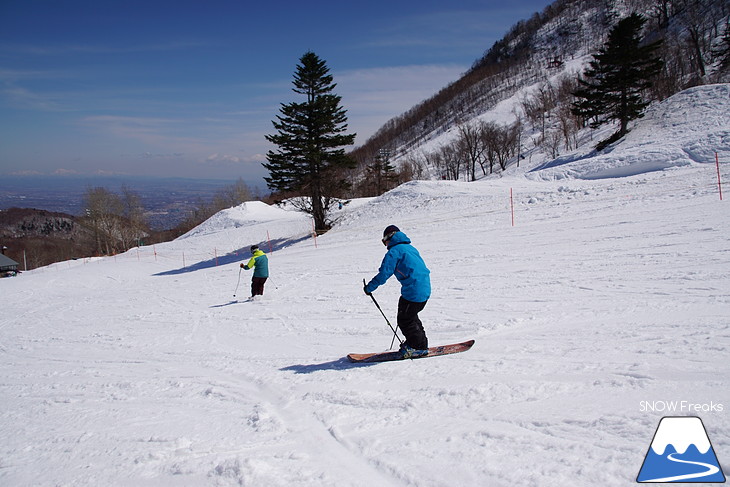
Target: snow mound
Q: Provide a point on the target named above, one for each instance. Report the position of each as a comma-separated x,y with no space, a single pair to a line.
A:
438,198
245,214
687,128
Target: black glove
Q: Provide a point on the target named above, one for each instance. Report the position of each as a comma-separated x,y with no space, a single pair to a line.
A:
365,288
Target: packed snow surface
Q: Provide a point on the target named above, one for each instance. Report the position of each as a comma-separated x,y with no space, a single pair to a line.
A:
606,302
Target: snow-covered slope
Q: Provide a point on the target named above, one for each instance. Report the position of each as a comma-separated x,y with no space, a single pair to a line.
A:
605,301
247,214
689,127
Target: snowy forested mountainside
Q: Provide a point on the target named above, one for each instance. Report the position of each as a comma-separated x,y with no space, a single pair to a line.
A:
526,78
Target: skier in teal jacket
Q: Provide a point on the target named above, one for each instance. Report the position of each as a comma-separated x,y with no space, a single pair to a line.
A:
404,261
259,262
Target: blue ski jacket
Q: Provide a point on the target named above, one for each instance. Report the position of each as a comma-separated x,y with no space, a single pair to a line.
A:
403,260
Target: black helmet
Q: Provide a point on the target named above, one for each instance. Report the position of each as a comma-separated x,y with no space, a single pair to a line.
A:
254,248
389,231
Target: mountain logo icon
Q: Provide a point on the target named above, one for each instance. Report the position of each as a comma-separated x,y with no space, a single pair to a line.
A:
681,452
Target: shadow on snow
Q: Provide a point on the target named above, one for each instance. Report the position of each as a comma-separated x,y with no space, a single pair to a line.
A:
339,364
566,159
235,301
238,255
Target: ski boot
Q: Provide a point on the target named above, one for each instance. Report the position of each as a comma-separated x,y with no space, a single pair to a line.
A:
410,352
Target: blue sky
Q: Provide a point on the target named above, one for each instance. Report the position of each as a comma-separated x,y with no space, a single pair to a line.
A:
189,88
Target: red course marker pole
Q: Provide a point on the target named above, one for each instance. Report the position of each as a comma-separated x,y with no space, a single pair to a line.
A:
719,183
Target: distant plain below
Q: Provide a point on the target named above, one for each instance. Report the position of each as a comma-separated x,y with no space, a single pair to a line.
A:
167,201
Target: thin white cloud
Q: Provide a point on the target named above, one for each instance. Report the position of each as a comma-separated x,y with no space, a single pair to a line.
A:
152,155
65,172
69,49
28,172
24,98
12,75
220,159
223,158
147,129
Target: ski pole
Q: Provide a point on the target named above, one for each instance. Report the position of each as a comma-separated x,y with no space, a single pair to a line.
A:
395,330
272,282
239,282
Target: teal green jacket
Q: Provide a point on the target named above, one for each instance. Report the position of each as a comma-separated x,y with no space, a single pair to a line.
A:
259,263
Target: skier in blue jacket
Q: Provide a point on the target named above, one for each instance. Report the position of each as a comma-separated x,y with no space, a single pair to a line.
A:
404,261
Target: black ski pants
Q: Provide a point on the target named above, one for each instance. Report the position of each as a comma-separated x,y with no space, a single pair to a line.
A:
410,324
257,286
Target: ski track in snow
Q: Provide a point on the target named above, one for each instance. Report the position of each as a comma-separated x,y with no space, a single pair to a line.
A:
139,371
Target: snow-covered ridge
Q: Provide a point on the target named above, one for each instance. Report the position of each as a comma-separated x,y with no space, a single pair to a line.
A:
251,212
689,127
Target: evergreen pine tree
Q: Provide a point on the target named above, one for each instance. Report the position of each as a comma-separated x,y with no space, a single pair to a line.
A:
381,173
310,138
613,85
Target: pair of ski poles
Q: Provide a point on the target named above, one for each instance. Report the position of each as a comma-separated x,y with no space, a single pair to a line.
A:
239,282
394,330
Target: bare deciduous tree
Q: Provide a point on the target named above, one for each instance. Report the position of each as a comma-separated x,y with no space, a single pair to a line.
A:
471,145
103,209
